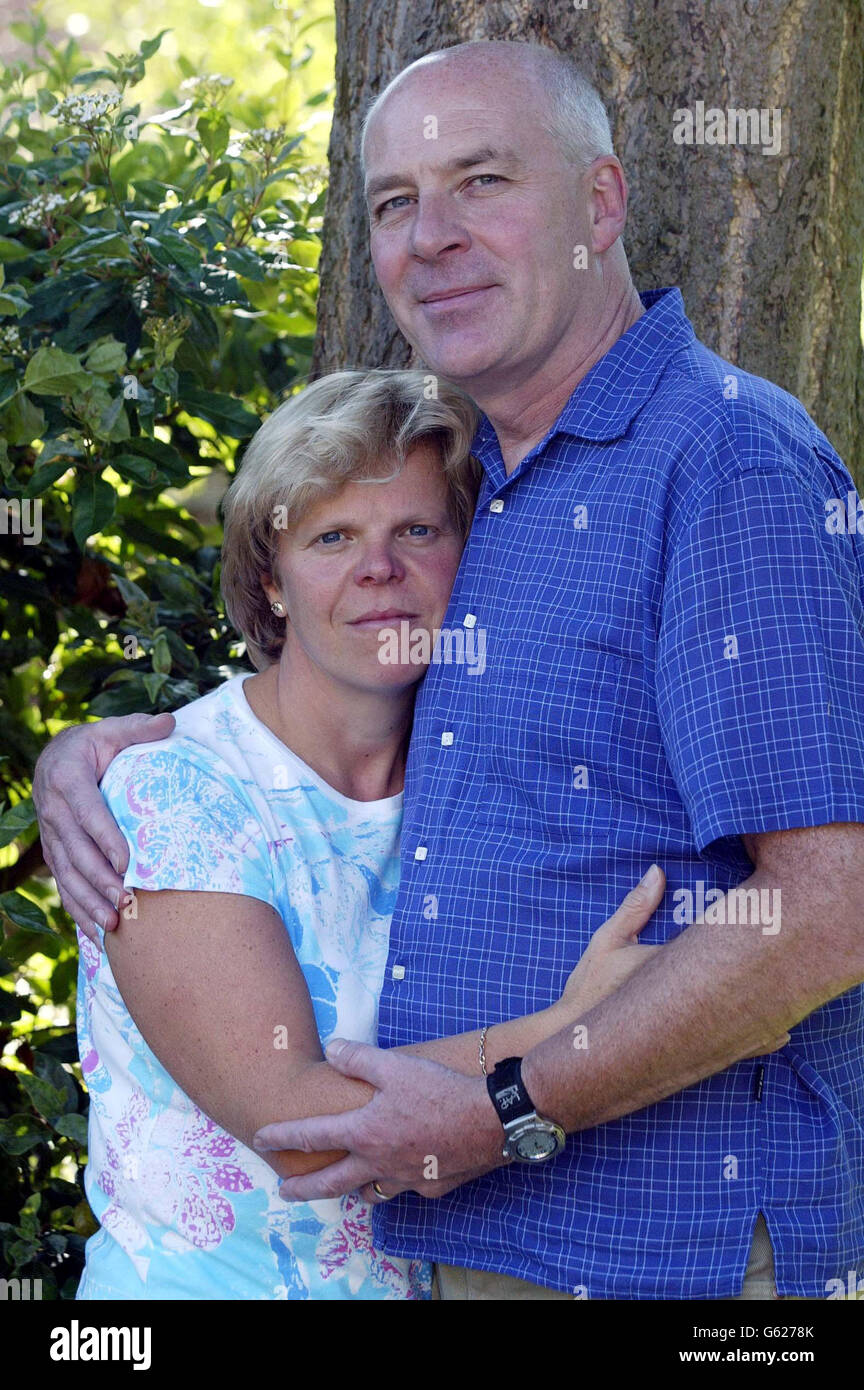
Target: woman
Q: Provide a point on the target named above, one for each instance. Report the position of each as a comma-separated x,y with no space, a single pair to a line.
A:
263,839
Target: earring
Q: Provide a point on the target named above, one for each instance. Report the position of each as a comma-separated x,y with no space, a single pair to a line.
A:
278,609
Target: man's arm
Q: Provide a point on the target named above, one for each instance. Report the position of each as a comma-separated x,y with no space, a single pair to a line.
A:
714,995
81,841
719,990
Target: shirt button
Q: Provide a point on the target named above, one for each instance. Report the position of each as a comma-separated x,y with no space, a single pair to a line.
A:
398,972
470,620
446,738
497,505
420,852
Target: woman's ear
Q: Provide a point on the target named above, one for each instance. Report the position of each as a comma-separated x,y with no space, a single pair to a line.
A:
270,589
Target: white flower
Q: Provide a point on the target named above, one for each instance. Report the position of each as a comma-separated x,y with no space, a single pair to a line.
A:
35,213
10,339
85,107
208,87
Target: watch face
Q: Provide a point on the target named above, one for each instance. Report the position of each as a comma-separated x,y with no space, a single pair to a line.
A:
535,1144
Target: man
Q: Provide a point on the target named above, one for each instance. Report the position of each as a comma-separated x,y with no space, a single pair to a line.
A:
674,644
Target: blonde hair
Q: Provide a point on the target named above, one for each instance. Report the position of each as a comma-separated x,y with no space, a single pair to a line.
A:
335,431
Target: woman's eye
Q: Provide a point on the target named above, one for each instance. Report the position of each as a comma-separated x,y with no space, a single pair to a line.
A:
327,535
420,528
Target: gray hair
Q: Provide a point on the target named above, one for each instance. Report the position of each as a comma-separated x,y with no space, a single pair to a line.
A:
575,114
337,430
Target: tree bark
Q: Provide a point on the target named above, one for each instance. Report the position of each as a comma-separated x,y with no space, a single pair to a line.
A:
767,248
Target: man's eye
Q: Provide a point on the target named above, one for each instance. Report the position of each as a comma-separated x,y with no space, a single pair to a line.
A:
388,206
495,177
420,527
325,535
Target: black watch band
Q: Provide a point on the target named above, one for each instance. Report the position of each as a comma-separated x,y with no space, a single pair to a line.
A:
507,1091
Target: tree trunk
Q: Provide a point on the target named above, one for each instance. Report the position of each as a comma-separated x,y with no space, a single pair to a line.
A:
767,248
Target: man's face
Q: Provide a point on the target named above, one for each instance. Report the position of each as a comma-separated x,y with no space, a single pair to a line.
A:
466,194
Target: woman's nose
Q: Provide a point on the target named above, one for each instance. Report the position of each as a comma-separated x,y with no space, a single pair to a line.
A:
378,563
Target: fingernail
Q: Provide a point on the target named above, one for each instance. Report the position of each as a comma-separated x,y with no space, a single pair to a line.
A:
115,862
652,878
335,1047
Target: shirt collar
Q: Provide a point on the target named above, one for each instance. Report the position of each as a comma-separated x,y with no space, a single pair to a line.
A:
616,388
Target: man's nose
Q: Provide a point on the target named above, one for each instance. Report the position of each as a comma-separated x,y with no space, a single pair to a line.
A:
436,227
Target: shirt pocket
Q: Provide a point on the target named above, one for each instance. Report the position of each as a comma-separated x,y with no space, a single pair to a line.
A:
558,719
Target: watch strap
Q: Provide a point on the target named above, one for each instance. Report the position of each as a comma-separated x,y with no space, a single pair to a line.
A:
507,1091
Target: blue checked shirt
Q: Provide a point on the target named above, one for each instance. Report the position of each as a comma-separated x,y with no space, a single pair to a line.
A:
660,620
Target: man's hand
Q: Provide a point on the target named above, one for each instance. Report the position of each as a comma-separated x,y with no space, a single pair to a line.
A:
79,835
427,1128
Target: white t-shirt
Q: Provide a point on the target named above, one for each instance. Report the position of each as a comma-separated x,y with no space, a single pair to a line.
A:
186,1210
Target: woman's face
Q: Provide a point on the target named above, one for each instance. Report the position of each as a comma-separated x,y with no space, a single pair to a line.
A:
364,570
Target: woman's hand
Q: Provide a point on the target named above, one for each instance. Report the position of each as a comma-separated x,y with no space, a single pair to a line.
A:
613,953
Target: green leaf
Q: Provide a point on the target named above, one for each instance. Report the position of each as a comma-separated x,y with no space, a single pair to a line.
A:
131,592
167,381
48,1068
165,455
73,1126
20,1133
106,356
47,1099
21,421
53,372
214,133
245,262
161,656
226,414
45,475
153,682
12,250
149,46
139,470
113,422
24,913
13,305
92,507
170,249
16,819
12,1005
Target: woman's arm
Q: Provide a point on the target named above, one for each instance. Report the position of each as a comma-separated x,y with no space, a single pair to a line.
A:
213,984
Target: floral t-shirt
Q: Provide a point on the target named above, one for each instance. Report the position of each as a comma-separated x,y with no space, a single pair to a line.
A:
186,1211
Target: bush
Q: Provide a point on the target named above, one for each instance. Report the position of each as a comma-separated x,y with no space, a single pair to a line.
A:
157,294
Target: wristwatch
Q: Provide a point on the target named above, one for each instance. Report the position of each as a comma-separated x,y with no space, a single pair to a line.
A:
530,1137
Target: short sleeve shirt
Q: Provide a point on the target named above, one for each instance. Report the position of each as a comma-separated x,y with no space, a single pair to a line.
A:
187,1211
668,597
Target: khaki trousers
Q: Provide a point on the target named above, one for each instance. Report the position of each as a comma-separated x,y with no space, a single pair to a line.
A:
451,1282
